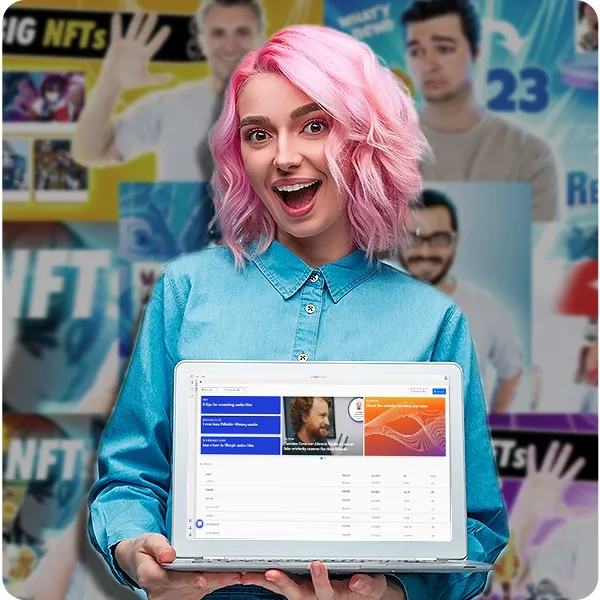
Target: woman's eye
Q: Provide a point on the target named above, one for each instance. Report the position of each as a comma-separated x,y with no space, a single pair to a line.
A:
257,136
314,127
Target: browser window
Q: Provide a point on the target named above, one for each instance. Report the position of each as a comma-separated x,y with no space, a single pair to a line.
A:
319,458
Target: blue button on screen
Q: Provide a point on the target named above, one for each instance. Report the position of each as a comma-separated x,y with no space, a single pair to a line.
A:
439,391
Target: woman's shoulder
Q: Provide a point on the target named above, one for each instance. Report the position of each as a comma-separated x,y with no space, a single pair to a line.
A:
200,266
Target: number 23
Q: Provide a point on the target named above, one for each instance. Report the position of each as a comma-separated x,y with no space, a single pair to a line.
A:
536,94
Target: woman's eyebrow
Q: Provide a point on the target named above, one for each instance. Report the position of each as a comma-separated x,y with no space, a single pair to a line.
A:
305,109
297,112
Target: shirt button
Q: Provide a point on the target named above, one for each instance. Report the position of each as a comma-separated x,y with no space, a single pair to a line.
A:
314,277
302,356
310,308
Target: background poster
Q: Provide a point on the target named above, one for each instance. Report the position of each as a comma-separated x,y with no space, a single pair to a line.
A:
61,203
548,465
536,70
489,268
522,75
60,317
53,45
157,222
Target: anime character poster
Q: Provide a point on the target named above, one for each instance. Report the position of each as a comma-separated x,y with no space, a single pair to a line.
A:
59,317
41,102
58,178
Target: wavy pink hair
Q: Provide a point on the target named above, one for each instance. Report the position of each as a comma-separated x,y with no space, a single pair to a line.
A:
373,149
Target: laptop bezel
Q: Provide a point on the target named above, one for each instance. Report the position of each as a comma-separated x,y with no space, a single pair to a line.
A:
456,549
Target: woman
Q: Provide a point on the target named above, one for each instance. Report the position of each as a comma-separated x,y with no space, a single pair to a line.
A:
316,162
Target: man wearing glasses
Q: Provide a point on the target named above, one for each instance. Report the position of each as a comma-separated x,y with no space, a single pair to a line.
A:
429,257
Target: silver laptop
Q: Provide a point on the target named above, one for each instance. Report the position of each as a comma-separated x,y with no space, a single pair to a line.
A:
358,465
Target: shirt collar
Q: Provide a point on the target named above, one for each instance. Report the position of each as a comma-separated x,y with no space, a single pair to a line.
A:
287,273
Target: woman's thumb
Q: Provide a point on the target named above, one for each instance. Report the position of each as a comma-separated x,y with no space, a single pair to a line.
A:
158,546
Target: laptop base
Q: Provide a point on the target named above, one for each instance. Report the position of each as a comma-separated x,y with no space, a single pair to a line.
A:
333,566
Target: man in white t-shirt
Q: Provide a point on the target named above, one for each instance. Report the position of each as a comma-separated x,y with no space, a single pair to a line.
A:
174,123
469,143
429,257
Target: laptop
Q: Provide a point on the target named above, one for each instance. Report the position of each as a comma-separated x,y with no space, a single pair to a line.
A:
357,464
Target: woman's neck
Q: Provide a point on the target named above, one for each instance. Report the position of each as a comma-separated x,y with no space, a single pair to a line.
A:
316,251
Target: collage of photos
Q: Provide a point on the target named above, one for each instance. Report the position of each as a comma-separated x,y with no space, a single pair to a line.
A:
39,114
323,426
39,109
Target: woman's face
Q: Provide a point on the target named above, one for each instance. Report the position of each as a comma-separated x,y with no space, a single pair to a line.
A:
283,134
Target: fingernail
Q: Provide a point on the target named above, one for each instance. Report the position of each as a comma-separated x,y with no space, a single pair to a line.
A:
201,581
270,576
316,569
359,583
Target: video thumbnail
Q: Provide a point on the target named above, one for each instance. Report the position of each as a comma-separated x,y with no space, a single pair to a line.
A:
405,426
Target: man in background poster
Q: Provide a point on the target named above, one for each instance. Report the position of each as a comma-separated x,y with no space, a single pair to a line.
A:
173,123
429,257
469,142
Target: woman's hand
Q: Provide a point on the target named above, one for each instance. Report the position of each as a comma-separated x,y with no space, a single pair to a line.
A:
141,558
319,587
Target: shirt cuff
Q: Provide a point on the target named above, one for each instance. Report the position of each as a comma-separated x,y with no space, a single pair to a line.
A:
116,570
112,540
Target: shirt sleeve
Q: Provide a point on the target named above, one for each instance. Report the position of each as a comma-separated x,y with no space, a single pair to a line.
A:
134,458
487,522
506,354
137,129
539,168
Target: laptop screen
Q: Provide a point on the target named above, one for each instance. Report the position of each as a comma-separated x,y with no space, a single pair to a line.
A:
309,457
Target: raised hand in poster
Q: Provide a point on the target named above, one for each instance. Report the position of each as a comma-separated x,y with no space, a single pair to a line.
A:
541,495
541,498
173,122
127,61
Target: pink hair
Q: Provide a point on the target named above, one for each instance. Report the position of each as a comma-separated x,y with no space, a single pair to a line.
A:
373,149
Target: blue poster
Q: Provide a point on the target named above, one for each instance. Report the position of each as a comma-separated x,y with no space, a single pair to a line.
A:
60,349
506,90
473,242
157,223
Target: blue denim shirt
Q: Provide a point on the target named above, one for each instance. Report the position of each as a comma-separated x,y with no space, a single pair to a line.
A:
202,307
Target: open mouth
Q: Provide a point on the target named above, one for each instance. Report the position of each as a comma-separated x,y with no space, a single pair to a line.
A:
298,196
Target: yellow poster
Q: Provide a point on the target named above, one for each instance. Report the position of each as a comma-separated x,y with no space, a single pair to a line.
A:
100,92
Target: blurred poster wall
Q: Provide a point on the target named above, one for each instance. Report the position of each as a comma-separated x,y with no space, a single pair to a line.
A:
105,178
507,94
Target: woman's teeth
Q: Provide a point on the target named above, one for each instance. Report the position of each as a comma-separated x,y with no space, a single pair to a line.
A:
296,187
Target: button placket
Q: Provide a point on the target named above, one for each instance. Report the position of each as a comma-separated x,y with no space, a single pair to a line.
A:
311,299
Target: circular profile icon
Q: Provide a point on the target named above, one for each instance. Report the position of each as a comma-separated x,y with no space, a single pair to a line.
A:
356,409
